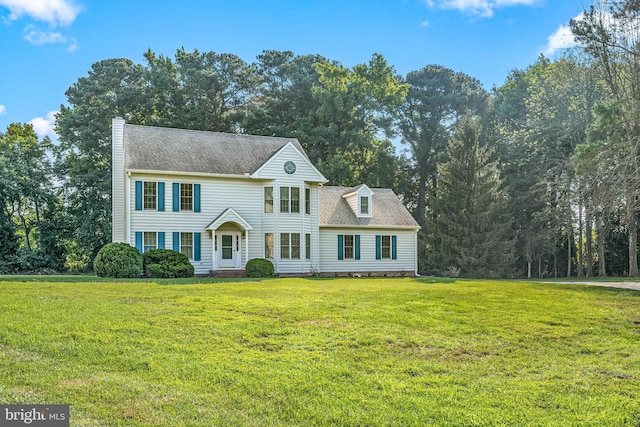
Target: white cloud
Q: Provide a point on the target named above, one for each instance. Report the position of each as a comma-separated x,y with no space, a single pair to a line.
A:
482,8
38,38
55,12
43,126
563,38
3,110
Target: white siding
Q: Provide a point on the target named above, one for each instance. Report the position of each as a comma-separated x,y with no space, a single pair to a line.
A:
406,251
305,171
246,197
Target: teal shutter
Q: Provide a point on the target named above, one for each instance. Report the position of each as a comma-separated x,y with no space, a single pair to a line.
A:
378,247
176,241
196,197
196,246
176,196
161,196
356,243
138,195
394,247
340,247
139,241
160,239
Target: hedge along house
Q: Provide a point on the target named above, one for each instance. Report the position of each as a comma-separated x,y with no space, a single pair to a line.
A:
223,199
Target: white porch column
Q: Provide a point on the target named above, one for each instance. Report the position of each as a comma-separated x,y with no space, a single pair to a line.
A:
213,250
246,247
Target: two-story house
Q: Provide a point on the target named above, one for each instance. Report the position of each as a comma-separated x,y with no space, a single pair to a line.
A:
223,199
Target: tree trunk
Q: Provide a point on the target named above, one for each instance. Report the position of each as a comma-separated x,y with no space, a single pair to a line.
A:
589,240
422,205
580,249
539,267
633,242
569,233
602,269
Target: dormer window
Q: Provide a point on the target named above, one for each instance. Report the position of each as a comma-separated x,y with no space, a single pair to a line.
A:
360,200
364,205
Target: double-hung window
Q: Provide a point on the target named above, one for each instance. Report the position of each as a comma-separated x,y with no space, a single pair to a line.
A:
150,241
386,247
186,244
268,199
284,199
268,246
289,200
364,205
307,201
289,246
348,246
186,197
295,200
307,246
150,195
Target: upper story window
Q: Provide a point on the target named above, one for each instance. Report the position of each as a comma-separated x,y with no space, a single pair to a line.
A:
268,199
307,201
186,197
289,200
150,195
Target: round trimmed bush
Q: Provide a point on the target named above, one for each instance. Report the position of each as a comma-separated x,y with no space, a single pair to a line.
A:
166,264
118,260
259,267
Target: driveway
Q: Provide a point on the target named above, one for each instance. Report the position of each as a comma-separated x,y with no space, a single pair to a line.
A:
634,286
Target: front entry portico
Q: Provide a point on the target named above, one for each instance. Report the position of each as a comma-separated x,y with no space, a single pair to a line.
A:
230,239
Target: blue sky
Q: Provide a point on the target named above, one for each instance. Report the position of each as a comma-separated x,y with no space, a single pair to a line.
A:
46,45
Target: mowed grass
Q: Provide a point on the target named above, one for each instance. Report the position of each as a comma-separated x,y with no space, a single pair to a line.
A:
300,352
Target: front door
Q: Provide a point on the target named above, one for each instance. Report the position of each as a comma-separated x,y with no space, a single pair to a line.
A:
228,250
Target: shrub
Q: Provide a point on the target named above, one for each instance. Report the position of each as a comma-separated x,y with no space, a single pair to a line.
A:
166,264
118,260
259,267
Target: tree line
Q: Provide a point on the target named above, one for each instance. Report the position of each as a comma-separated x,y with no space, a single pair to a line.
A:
538,177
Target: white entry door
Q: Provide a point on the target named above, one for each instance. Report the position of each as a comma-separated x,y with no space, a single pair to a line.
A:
228,253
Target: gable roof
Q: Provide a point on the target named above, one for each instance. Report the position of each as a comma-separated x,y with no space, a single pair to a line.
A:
149,148
388,211
355,190
229,215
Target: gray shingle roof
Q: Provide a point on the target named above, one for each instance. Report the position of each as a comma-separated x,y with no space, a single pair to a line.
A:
179,150
388,210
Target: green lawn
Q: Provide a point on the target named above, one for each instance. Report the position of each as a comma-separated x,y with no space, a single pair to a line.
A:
323,352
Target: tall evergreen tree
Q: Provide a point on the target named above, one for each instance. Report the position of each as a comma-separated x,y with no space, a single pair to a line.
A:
113,87
436,99
472,230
